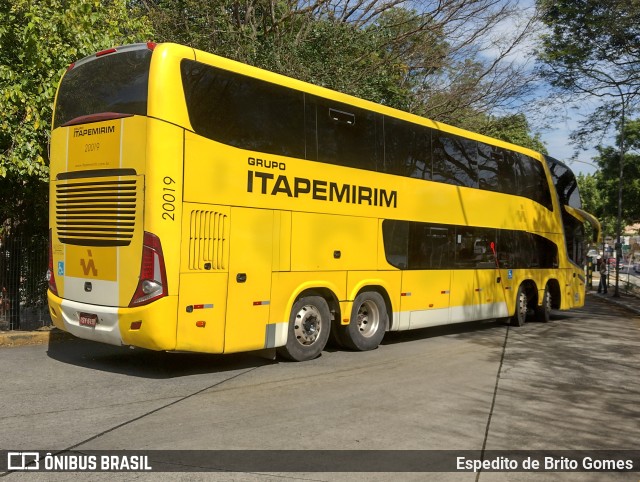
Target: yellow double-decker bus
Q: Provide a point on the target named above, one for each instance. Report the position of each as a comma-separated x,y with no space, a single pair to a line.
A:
200,204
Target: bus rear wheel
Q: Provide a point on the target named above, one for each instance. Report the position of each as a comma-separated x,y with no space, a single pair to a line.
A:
522,308
309,328
543,312
368,323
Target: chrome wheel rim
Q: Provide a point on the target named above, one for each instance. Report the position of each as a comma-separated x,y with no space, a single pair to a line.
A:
368,318
307,325
522,306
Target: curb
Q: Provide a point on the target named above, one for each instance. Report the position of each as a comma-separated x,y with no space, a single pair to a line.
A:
40,337
618,302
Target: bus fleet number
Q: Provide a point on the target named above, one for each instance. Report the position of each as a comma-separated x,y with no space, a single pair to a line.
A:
168,199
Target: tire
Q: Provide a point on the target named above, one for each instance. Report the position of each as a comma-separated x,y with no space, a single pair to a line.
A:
519,318
368,323
309,329
543,312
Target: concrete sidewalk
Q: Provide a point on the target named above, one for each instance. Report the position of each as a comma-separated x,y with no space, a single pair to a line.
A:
42,336
53,335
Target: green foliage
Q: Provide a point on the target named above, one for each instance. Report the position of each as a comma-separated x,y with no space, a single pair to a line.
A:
38,40
375,61
593,50
608,184
599,191
397,57
512,128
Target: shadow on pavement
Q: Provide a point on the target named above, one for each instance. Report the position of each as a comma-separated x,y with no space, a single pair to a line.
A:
146,363
571,383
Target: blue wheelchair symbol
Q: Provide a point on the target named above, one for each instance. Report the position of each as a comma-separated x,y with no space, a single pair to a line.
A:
60,268
510,274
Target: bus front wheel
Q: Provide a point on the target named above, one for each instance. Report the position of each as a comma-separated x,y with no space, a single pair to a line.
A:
309,328
368,323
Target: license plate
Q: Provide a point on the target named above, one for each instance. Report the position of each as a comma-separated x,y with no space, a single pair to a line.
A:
87,319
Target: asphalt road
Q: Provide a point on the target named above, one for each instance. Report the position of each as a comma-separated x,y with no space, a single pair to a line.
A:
569,384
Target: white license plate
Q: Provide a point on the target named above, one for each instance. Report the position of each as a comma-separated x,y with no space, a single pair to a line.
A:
87,319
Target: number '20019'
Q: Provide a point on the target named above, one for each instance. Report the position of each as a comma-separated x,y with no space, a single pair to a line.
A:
168,199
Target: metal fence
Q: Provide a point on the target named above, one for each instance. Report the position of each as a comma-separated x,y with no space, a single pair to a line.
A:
23,284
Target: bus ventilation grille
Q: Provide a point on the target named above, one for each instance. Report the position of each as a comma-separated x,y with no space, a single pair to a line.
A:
208,240
96,213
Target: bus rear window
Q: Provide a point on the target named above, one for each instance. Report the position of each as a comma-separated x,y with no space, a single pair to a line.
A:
112,83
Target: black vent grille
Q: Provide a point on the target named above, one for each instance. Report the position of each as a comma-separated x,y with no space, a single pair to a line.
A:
96,213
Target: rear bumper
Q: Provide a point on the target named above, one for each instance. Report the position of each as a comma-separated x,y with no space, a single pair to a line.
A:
154,325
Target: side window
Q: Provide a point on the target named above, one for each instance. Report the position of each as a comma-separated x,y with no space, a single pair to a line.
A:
537,184
547,252
347,136
431,246
507,249
489,160
473,248
527,251
407,149
565,183
395,236
464,248
508,172
244,112
455,160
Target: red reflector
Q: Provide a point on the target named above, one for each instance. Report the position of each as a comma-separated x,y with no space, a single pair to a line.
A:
71,66
51,276
105,52
151,45
136,325
201,324
198,307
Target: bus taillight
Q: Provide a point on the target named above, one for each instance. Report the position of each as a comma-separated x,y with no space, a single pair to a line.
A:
51,278
153,276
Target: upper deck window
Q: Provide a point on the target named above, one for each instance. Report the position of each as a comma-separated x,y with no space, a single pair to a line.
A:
244,112
565,182
114,83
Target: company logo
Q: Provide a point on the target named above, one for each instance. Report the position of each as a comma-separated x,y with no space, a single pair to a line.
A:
83,131
321,190
89,266
23,461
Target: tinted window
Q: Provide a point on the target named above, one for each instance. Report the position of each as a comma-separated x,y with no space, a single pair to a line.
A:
413,245
473,247
112,83
346,135
395,235
533,181
455,160
489,160
565,183
508,172
547,252
407,149
431,246
244,112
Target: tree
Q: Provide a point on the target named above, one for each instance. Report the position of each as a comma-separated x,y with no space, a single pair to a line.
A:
441,59
38,40
607,179
512,128
592,50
